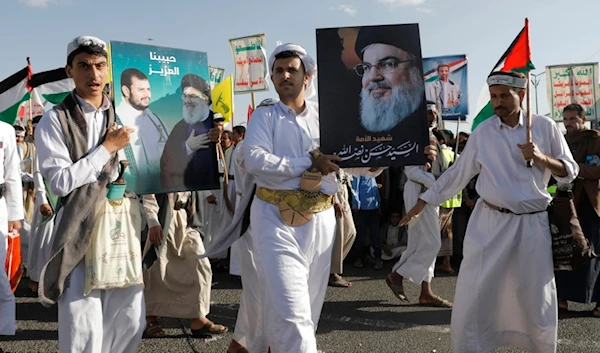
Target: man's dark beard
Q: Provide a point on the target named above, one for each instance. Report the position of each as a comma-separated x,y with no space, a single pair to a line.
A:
138,106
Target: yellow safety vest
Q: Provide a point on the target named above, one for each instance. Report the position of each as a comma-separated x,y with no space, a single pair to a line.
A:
455,201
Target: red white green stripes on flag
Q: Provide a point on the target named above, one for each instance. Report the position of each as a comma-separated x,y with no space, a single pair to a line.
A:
53,85
516,58
13,91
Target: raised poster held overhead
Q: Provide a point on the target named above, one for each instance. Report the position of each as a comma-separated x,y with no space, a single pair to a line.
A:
250,60
164,94
446,85
372,104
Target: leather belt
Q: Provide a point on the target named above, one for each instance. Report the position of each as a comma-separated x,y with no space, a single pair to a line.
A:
507,211
231,177
2,189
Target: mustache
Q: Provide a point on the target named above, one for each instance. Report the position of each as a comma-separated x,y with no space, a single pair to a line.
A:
379,84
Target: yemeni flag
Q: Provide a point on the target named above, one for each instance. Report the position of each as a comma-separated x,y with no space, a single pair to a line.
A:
13,91
516,58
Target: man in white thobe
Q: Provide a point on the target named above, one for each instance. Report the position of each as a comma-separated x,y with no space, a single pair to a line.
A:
150,135
248,335
417,263
40,242
293,247
11,214
110,320
233,168
506,293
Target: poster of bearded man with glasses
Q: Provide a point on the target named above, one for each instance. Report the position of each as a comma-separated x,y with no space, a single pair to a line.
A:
372,103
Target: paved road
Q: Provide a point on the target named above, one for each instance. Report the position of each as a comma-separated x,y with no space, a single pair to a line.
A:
363,318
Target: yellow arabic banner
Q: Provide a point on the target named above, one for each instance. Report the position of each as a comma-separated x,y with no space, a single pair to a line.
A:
222,99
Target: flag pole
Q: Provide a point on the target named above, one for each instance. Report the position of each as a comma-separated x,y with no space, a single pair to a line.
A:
30,93
528,99
529,136
232,102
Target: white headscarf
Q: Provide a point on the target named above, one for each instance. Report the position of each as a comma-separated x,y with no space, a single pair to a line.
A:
309,64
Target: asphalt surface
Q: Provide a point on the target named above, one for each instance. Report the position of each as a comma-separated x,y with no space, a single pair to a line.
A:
363,318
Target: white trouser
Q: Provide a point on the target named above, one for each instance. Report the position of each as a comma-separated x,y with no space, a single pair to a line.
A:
7,298
417,263
293,270
249,331
105,321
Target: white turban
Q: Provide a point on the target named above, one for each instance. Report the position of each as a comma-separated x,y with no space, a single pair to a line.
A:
310,65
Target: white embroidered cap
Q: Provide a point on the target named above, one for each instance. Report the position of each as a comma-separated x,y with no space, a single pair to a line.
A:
507,80
84,41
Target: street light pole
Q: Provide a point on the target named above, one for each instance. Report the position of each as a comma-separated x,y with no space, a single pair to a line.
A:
536,81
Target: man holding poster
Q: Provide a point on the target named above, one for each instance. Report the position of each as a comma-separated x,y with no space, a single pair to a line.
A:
292,216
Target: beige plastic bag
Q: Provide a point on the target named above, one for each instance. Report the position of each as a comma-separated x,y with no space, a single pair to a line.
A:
114,257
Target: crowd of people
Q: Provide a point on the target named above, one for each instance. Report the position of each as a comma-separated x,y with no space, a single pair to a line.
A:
288,218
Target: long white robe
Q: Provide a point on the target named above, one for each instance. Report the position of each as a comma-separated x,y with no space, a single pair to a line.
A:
293,263
104,321
506,294
216,217
232,190
11,209
417,263
40,244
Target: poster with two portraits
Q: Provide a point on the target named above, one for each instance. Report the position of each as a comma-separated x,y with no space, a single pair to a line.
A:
165,95
373,94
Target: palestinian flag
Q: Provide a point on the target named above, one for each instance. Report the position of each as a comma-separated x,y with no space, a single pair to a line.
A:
13,91
516,58
53,85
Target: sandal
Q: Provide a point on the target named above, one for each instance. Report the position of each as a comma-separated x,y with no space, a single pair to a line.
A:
339,282
209,329
397,290
378,265
438,303
153,330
